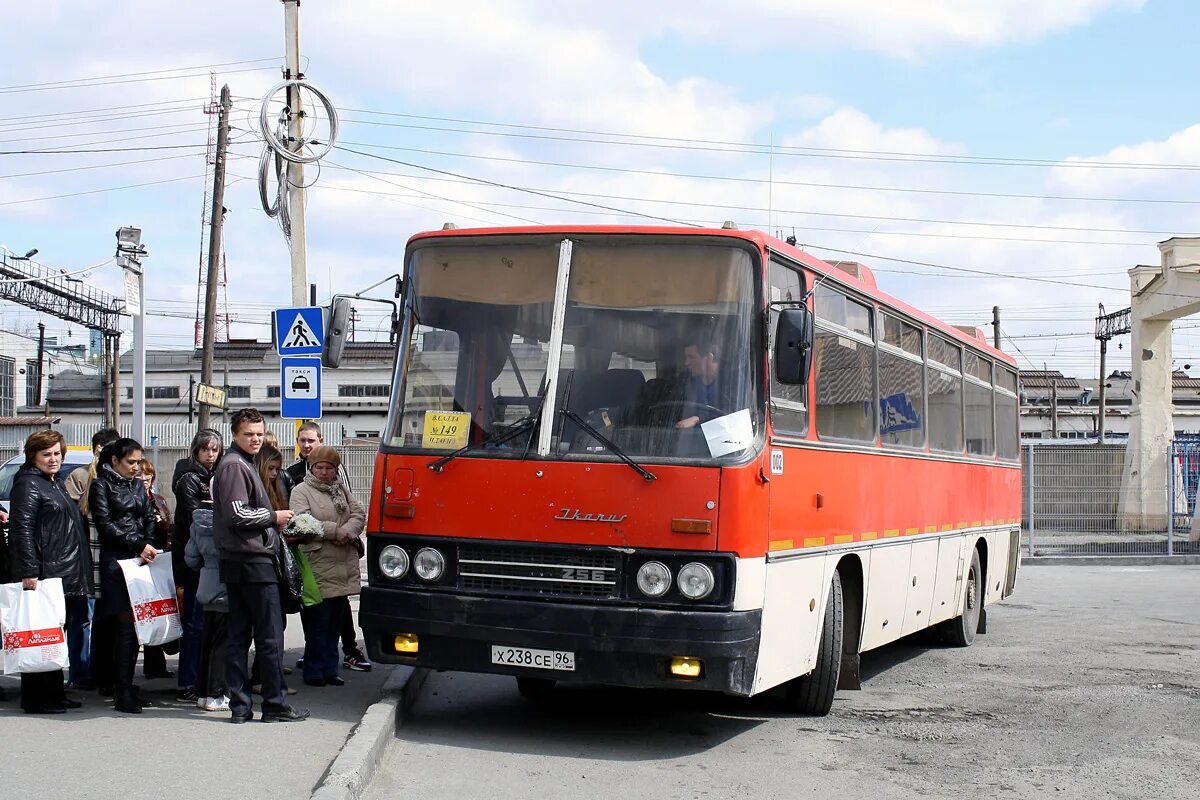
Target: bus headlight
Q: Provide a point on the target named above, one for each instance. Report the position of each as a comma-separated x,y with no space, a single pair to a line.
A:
653,579
696,581
393,562
429,564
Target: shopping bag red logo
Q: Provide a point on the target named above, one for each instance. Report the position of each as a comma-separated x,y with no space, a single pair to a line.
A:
155,608
15,640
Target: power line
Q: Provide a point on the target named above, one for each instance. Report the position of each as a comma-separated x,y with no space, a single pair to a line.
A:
755,148
99,191
764,181
104,80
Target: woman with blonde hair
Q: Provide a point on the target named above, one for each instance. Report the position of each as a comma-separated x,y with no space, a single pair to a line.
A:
334,560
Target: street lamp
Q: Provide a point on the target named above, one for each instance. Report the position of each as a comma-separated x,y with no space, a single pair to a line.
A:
130,252
25,257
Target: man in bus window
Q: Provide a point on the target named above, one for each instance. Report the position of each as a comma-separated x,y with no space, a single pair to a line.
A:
701,395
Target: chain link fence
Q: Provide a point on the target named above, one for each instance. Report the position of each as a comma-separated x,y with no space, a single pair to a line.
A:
1071,502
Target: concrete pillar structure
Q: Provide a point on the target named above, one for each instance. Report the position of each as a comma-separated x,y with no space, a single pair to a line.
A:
1159,295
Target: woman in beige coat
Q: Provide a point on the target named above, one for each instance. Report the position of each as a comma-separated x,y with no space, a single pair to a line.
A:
334,560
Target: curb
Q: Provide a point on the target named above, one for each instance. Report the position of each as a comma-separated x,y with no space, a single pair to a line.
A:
351,772
1116,561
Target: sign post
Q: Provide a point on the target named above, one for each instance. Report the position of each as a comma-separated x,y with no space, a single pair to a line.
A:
299,338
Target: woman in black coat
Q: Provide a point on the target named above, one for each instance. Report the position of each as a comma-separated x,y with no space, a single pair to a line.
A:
48,539
124,518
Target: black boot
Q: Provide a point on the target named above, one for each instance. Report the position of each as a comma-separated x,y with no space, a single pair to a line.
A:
127,702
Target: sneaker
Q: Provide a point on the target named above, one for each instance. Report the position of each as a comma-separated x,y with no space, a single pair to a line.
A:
300,662
357,662
187,695
216,703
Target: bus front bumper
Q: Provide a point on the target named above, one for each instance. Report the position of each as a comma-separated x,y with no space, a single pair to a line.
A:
614,645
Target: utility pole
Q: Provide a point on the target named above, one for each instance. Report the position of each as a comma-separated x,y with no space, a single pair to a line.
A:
37,392
996,327
295,172
215,232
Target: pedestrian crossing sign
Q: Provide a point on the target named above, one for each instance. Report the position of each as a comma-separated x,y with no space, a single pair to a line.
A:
299,331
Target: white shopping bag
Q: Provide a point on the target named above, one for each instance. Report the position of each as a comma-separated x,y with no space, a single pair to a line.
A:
152,596
32,625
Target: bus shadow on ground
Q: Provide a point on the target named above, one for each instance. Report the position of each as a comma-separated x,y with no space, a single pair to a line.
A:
485,712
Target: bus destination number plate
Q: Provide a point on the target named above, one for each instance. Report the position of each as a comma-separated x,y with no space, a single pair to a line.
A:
562,660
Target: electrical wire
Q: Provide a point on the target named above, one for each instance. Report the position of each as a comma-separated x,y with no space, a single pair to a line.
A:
100,191
60,274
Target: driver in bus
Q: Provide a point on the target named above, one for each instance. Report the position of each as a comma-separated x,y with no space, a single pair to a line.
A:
702,361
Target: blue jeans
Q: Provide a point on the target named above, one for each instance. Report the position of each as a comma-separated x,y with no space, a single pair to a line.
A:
192,621
322,635
79,638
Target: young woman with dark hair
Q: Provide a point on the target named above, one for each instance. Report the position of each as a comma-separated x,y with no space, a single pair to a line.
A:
125,518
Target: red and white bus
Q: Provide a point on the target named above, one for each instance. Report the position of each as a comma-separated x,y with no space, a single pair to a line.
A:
671,457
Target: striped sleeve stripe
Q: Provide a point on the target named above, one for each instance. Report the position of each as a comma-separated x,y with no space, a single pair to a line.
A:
248,515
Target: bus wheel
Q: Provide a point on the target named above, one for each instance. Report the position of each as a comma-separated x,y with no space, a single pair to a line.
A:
961,630
813,693
535,688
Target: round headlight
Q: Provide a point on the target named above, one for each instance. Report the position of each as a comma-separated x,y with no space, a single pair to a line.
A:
429,564
393,562
654,579
696,581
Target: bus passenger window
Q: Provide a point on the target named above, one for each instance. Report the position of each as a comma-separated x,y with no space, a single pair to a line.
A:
978,396
901,384
1007,439
844,368
944,371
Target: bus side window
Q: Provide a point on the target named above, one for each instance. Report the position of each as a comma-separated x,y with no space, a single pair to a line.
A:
789,406
901,384
978,397
1007,438
943,369
844,367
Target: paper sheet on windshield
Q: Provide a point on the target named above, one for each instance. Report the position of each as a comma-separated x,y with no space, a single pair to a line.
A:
446,430
728,434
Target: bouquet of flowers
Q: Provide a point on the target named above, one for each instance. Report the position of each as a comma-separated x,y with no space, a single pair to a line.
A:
304,526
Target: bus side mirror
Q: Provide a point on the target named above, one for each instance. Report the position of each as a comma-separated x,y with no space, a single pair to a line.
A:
337,318
793,345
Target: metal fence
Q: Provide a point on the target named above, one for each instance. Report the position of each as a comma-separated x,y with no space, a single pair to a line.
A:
1071,503
166,443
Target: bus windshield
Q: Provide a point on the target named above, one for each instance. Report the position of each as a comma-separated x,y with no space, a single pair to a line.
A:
656,351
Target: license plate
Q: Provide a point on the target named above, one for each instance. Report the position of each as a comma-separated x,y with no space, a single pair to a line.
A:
562,660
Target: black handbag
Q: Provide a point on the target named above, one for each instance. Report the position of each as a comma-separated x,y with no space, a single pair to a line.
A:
291,585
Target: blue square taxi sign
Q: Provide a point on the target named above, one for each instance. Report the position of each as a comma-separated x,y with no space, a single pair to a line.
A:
299,388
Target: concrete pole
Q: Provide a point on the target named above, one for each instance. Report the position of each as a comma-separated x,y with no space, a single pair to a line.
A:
138,430
295,172
1100,390
996,327
115,380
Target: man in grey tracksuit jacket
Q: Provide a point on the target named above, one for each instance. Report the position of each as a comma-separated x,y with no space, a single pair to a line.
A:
244,527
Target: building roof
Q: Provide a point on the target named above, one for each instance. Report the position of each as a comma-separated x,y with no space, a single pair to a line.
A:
1045,378
13,422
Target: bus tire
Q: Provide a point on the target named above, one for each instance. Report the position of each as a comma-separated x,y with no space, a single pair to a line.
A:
961,630
535,688
812,694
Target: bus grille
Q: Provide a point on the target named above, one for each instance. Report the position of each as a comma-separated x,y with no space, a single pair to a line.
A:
542,572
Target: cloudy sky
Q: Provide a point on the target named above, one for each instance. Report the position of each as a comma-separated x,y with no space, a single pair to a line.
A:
1019,153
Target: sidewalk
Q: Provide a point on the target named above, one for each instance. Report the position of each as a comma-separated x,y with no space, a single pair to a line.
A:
176,750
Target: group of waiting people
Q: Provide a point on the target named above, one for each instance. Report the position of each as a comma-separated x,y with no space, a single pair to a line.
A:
232,508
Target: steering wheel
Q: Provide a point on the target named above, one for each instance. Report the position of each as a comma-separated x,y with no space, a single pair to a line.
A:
683,410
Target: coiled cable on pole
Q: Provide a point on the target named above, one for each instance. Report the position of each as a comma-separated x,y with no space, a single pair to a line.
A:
280,143
277,153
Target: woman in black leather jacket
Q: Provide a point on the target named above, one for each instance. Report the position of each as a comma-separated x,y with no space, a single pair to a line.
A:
124,518
47,539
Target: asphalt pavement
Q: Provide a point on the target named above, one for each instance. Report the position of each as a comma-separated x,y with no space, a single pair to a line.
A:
1087,685
175,750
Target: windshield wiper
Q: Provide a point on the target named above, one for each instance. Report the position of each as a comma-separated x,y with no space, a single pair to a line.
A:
604,440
